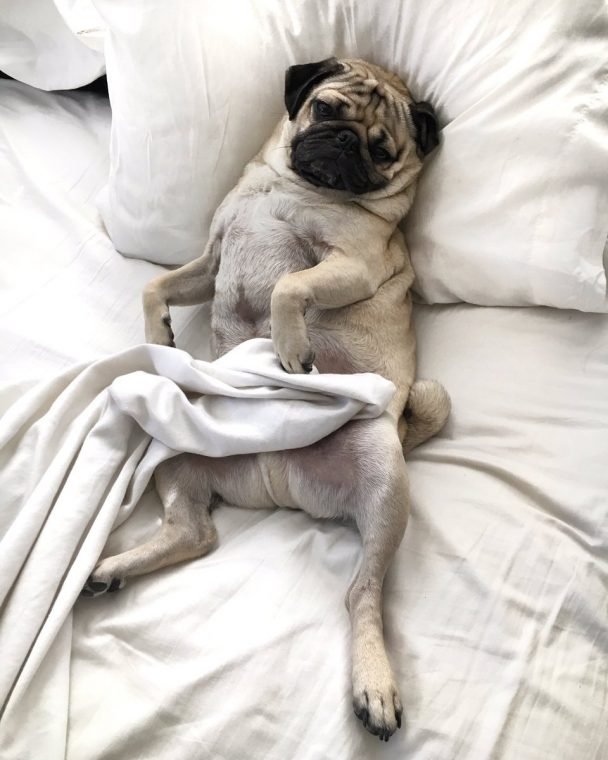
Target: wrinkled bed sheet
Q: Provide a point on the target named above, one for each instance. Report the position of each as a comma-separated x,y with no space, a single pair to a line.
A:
496,606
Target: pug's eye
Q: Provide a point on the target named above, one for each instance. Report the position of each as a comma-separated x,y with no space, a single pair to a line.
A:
322,110
380,155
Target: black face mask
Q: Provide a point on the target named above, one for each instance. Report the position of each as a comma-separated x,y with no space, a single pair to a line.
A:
331,157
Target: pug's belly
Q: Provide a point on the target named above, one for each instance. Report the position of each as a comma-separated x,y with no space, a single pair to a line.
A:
254,255
237,316
241,311
251,262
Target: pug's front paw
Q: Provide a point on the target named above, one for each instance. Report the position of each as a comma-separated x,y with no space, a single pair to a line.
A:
160,332
292,346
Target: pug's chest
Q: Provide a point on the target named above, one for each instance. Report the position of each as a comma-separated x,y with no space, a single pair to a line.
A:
258,246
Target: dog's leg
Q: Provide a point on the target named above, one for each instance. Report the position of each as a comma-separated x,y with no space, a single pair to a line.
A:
359,472
187,485
191,284
382,523
187,532
339,280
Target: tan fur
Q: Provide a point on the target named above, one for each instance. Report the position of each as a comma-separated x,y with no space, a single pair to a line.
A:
326,274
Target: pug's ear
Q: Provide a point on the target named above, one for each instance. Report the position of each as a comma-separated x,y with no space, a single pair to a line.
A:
301,78
425,122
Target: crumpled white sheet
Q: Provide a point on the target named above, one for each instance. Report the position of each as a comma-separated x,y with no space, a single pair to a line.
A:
79,450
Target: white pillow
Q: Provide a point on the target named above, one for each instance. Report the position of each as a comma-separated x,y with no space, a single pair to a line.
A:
512,208
51,46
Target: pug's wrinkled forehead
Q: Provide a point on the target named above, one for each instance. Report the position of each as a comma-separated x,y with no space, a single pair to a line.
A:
362,92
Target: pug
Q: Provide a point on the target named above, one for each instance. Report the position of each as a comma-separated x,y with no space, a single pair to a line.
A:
306,249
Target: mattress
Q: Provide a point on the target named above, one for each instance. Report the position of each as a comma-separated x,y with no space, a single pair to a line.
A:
495,607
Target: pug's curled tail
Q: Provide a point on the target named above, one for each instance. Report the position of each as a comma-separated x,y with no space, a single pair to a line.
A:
427,409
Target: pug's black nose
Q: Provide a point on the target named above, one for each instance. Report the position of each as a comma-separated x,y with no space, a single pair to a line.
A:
347,138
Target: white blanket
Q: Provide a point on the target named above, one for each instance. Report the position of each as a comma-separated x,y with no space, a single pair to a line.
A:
77,452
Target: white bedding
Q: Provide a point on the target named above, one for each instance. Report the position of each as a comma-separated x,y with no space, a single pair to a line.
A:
496,607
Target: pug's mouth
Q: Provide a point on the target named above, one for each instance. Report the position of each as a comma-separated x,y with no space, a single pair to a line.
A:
326,159
320,174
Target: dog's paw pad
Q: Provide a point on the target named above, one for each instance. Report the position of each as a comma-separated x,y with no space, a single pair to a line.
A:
97,588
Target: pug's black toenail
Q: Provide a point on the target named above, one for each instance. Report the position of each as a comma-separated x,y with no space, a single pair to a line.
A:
308,362
93,588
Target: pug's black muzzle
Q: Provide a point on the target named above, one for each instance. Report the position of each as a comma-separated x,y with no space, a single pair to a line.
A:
331,157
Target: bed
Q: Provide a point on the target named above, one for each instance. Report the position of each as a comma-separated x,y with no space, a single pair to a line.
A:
496,607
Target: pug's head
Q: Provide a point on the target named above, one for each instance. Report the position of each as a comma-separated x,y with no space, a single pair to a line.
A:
355,127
